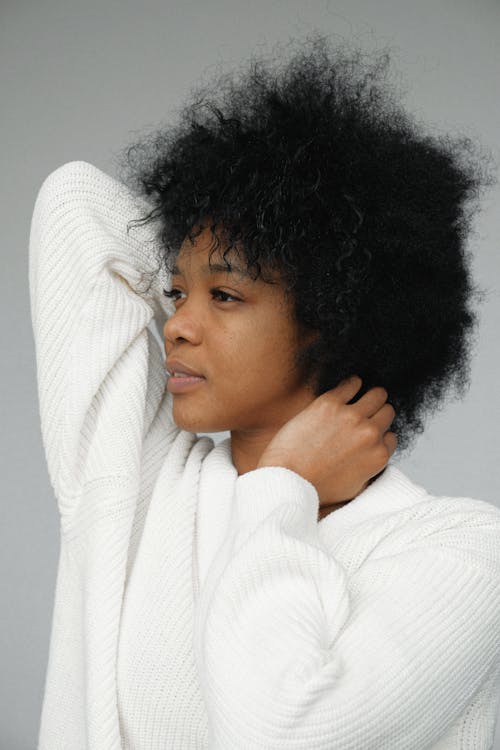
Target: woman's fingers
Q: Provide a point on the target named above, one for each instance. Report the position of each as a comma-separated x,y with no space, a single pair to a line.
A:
390,441
384,417
373,405
346,389
370,403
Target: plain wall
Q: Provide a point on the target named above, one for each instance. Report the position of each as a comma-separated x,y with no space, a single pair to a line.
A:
80,80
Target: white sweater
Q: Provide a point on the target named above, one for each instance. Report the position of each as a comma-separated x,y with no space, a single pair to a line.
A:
196,608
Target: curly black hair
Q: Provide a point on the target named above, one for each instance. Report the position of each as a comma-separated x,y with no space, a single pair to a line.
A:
312,167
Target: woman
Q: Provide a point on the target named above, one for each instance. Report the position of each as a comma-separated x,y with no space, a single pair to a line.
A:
311,243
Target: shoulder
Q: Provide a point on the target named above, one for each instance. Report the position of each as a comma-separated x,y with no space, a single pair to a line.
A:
396,515
394,491
466,527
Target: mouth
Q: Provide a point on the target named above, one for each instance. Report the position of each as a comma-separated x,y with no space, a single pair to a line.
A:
183,383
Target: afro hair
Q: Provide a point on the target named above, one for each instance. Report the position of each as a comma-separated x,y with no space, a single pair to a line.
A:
312,167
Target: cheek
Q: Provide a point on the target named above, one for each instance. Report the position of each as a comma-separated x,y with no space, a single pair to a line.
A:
260,351
268,363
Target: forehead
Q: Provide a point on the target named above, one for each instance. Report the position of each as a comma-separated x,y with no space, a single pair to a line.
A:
207,255
206,244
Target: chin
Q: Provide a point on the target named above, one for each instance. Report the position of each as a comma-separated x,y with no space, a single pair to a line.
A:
195,424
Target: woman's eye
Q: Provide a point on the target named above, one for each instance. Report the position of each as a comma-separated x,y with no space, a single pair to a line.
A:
170,293
219,293
223,296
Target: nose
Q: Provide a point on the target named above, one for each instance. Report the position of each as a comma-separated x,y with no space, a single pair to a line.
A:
182,326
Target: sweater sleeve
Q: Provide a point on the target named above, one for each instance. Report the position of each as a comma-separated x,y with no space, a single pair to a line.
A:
100,372
295,650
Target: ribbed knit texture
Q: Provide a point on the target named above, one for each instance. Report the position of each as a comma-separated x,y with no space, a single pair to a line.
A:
196,608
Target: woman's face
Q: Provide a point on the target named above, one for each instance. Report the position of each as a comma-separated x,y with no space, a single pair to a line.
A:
243,345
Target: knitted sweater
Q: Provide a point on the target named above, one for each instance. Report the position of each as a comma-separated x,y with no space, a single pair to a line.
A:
196,608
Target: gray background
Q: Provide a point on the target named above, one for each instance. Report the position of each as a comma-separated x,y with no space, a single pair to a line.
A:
80,80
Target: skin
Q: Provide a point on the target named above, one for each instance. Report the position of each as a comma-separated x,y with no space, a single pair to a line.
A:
244,346
346,443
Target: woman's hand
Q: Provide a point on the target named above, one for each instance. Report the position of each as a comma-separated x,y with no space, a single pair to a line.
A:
337,446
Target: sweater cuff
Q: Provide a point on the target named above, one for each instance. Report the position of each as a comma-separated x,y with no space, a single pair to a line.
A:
259,492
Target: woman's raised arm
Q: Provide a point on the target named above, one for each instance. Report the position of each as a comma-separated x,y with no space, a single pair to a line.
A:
101,374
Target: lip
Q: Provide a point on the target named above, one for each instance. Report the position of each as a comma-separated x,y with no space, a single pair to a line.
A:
183,384
175,365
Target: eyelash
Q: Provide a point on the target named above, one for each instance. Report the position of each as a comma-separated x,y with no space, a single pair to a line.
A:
171,294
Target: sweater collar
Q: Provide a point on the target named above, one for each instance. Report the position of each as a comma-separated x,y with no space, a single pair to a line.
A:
393,490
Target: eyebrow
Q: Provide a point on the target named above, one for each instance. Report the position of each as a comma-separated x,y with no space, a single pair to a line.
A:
216,268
